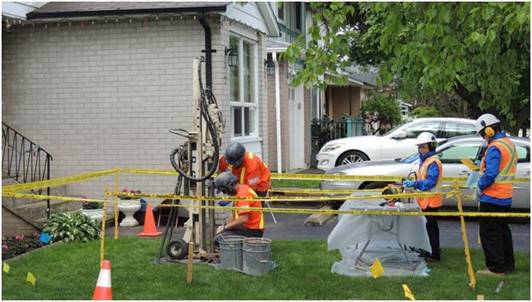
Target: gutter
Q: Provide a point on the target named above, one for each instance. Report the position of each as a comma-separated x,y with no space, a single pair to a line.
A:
208,52
278,113
145,11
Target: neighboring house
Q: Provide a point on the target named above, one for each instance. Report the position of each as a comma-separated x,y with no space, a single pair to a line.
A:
98,84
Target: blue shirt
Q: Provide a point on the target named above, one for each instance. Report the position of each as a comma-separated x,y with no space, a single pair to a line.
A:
432,174
493,161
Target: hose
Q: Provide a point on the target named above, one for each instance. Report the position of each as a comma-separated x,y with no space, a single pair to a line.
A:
206,98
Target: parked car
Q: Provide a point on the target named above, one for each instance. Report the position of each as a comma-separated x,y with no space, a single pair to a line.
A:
398,142
451,154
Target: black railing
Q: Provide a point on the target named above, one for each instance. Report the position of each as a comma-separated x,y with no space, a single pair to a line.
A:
325,129
24,161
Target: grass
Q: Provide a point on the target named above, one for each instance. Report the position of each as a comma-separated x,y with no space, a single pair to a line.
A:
288,183
70,271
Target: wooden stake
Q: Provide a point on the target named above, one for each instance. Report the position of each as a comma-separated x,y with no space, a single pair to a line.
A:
189,264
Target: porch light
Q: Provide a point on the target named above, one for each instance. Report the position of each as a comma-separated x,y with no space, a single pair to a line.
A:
231,57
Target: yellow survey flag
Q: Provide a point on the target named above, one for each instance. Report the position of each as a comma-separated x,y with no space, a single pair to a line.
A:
408,293
6,268
31,278
470,164
376,269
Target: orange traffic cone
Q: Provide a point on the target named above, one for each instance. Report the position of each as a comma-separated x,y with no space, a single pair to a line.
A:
149,224
103,290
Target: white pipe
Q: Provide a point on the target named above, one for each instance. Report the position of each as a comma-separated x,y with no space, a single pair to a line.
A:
278,113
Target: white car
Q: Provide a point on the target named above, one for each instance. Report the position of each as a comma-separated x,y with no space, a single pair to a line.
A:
450,153
398,142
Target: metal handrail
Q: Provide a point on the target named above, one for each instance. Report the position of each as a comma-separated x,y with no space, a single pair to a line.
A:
24,161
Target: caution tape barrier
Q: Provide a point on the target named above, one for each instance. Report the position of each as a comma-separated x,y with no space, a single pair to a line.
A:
397,212
291,176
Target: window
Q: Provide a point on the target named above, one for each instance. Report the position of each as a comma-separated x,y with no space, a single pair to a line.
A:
414,130
455,153
242,86
452,129
280,11
523,153
299,16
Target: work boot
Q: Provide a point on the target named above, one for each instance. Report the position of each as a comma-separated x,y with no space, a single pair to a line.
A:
487,272
431,259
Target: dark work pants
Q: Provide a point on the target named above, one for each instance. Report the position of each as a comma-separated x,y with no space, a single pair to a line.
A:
496,239
433,232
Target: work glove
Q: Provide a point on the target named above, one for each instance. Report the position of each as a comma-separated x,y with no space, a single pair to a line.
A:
220,229
409,183
224,203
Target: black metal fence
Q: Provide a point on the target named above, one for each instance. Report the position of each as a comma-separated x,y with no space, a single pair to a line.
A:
325,129
23,160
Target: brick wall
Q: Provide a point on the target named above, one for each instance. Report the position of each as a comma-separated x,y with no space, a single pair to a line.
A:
12,225
105,95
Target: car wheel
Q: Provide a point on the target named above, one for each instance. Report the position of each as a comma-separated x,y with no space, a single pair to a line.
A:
177,249
351,157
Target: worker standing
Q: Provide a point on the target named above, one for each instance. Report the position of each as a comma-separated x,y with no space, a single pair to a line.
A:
429,177
247,167
243,221
495,195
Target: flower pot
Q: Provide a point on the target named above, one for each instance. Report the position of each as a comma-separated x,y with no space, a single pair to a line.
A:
129,207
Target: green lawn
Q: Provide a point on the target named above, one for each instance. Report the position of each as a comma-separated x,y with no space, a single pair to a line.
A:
70,271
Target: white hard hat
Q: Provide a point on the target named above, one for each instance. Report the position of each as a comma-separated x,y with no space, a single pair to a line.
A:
426,138
485,120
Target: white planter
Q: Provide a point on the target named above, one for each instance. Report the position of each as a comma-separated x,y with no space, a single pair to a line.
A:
129,207
96,214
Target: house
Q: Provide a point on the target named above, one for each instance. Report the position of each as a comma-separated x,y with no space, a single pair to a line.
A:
99,84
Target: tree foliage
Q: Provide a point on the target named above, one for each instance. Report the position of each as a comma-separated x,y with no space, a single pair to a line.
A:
426,111
479,51
382,110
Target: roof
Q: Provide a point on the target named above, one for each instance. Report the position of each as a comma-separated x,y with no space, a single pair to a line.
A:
92,9
276,45
360,76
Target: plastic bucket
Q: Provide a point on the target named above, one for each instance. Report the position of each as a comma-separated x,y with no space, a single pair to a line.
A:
257,256
231,252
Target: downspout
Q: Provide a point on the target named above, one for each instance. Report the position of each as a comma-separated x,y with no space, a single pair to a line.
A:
278,113
208,53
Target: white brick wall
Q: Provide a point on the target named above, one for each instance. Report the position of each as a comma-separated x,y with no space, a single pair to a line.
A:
105,95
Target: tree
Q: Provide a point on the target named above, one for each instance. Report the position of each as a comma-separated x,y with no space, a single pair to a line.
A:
382,111
425,111
479,51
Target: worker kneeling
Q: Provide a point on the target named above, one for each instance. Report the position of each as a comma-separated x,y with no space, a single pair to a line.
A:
429,177
243,221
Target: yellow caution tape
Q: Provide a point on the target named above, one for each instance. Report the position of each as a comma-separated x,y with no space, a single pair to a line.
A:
280,198
58,181
90,175
390,212
303,191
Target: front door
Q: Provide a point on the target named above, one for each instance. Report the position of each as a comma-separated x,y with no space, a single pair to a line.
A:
297,128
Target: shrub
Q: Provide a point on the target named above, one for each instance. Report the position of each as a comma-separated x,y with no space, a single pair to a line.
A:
70,227
426,111
20,244
388,112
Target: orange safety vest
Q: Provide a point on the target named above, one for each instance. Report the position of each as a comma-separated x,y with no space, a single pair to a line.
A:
255,218
434,201
499,188
253,172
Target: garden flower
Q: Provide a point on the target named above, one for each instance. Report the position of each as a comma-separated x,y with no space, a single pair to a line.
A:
19,237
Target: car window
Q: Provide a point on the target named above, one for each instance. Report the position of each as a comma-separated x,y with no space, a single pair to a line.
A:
410,159
455,153
414,130
523,153
452,129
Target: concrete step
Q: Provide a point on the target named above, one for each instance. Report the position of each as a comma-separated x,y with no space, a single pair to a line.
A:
35,211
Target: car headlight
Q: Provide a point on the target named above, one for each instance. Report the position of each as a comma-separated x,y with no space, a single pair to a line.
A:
332,147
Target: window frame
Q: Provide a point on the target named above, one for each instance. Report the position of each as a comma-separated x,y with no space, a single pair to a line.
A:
254,78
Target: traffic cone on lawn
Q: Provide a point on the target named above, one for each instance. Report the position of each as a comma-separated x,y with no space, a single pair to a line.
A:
103,290
149,224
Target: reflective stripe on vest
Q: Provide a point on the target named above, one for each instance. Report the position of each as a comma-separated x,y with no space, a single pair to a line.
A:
434,201
507,168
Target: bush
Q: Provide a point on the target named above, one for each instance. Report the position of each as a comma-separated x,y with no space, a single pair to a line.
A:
92,205
20,244
426,111
386,107
70,227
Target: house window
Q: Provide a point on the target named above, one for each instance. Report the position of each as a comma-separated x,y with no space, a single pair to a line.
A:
280,11
242,82
299,16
